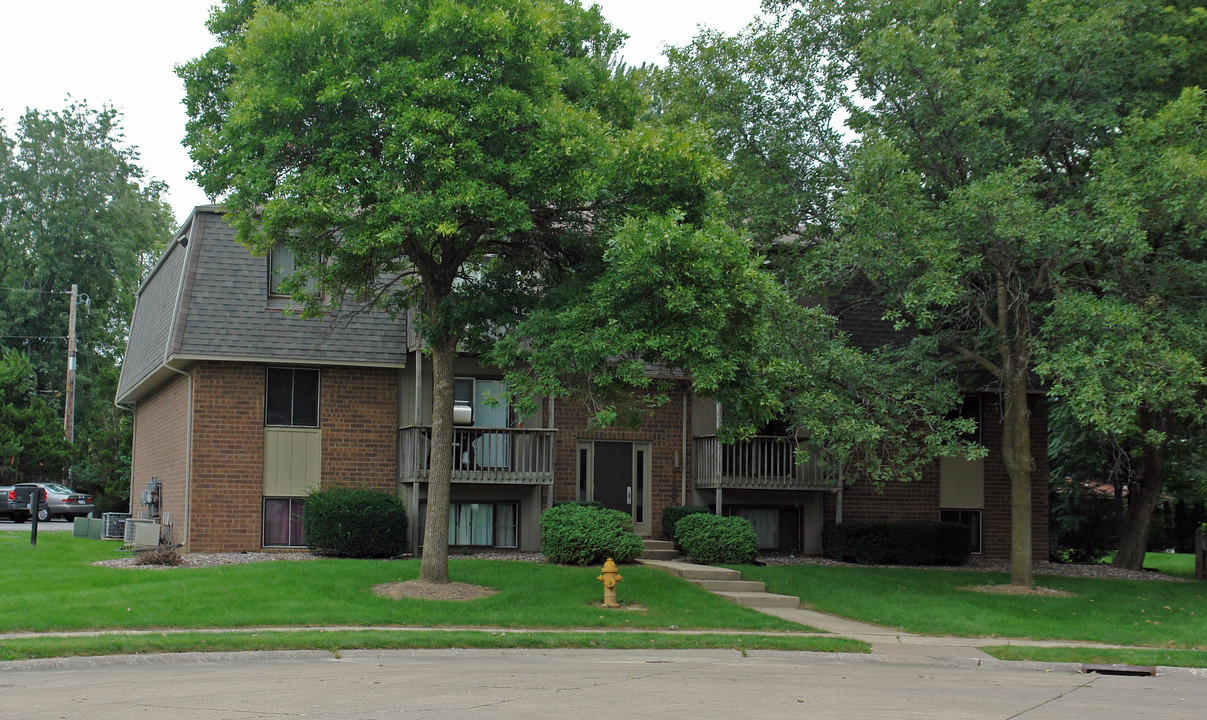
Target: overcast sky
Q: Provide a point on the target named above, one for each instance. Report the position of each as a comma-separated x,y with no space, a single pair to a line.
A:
122,53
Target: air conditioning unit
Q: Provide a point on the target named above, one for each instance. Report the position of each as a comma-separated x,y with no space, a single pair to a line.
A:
113,525
146,534
130,525
463,414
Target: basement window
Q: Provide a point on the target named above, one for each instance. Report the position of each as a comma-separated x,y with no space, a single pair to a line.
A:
971,518
283,522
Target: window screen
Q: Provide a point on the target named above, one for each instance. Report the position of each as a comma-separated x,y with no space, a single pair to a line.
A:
292,397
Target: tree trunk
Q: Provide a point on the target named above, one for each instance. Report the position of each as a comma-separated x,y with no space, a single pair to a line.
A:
1016,454
1143,496
433,567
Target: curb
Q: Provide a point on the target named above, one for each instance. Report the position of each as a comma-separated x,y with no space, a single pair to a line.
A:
80,663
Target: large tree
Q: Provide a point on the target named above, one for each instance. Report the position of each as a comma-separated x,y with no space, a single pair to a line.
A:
75,208
31,433
454,157
964,206
1126,348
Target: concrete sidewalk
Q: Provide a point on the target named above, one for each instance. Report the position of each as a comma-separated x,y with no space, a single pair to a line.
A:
885,641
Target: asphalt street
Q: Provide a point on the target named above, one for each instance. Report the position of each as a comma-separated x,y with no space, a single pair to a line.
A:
434,684
52,526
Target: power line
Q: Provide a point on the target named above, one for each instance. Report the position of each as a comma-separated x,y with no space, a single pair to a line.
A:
36,290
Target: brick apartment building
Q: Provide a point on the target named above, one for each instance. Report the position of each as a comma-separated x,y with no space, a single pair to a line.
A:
241,407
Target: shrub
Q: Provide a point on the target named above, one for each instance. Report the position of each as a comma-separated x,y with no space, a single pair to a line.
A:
163,555
1082,526
673,514
713,540
355,522
583,503
581,534
897,543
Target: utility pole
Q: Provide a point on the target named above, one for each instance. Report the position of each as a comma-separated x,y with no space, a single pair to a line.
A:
69,407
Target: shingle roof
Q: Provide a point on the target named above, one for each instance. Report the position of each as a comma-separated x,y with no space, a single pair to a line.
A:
147,347
207,298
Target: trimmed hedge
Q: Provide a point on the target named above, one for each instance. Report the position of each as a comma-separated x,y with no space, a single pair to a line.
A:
897,543
583,534
714,540
673,514
355,522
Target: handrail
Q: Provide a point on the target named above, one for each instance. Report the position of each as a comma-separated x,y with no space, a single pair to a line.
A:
481,454
761,462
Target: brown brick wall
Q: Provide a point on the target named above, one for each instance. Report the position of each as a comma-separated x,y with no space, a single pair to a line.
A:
663,431
228,457
358,413
920,500
358,421
160,442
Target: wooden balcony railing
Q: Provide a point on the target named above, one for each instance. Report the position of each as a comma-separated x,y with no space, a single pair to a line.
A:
481,455
760,463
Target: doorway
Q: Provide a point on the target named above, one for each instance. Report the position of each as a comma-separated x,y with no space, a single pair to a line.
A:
616,475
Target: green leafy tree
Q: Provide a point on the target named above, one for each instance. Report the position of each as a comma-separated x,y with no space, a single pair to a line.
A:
75,207
693,297
1126,348
31,432
962,203
457,158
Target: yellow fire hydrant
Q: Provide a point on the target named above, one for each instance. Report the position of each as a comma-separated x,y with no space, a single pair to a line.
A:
610,577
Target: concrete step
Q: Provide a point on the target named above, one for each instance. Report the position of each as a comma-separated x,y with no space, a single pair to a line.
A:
659,550
671,554
688,571
717,586
761,599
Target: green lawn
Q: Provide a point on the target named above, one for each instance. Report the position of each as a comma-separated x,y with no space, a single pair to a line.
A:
126,644
54,587
1172,658
1151,613
1176,564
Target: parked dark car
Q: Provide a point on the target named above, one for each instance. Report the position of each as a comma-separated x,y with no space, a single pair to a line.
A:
60,501
14,502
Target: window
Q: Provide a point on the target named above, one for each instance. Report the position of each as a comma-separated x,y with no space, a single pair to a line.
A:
971,518
483,404
292,397
281,265
970,409
483,524
283,522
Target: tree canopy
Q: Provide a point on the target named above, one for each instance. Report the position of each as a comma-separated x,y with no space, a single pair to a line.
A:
76,208
31,432
961,199
461,158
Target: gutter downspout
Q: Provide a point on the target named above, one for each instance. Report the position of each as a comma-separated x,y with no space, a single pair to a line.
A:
683,457
188,457
416,541
553,449
186,245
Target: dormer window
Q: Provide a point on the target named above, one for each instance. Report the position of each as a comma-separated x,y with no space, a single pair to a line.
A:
281,265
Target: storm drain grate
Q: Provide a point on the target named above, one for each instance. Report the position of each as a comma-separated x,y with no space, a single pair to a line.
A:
1133,670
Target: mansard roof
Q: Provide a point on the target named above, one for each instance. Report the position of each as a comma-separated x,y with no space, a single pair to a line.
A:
207,299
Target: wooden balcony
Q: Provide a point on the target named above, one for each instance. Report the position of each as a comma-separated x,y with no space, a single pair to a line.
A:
515,456
760,463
